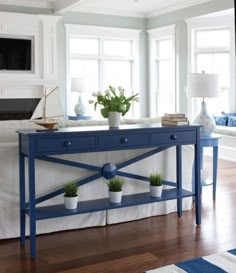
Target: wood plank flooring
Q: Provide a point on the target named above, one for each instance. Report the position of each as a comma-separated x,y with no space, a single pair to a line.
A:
136,246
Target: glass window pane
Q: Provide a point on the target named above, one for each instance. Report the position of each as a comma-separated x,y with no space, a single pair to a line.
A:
84,46
212,38
166,75
89,70
204,62
221,67
117,48
215,63
164,48
166,87
118,73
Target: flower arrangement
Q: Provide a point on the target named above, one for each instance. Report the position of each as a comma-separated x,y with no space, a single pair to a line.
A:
112,101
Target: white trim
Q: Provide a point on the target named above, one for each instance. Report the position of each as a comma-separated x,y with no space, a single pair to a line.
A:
204,22
125,13
104,33
172,8
154,35
139,14
35,4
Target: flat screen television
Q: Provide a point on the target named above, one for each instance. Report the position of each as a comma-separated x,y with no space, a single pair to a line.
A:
15,54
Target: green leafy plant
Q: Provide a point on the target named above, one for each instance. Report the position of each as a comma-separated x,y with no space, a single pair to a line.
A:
115,184
70,189
113,101
156,179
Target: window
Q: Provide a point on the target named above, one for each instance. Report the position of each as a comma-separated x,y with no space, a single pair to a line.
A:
104,56
162,71
212,50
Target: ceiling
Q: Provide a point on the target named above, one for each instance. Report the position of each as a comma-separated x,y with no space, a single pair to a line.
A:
133,8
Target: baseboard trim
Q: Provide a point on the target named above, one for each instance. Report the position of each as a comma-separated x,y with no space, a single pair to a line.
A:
227,153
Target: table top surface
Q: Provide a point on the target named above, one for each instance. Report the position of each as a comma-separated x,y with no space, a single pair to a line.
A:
106,129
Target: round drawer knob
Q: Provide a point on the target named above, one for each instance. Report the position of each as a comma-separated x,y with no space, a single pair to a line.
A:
124,140
173,137
67,144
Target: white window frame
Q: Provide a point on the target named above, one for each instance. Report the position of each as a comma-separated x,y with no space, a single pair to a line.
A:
86,31
211,22
167,32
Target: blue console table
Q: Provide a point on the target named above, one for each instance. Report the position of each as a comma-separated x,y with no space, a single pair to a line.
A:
211,141
41,145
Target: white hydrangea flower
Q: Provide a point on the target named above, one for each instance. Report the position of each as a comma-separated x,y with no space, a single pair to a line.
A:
99,93
91,101
94,94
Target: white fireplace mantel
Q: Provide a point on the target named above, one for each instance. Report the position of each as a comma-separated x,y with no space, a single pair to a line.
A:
42,30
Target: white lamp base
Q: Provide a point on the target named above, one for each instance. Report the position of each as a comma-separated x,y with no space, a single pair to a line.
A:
207,122
80,109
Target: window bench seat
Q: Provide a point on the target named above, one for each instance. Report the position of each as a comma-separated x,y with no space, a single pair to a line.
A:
226,130
227,142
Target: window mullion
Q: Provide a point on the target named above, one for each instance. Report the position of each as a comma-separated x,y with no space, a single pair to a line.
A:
101,64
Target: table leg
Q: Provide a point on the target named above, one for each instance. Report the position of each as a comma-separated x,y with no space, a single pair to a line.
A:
215,163
32,207
179,178
197,179
22,197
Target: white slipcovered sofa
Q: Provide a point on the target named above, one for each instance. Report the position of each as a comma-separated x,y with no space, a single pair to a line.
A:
51,176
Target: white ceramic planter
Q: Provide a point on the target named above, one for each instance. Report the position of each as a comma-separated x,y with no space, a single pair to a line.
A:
115,197
114,119
71,202
156,191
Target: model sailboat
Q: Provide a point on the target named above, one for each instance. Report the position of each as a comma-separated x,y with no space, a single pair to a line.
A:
48,109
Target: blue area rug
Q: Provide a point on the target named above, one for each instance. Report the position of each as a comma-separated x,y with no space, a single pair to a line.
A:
216,263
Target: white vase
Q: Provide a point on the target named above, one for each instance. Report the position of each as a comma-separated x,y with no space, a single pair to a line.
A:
114,119
115,196
71,202
156,191
207,122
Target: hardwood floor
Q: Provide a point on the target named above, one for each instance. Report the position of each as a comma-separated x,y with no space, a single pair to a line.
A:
136,246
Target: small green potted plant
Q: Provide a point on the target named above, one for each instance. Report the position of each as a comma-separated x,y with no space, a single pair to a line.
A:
70,195
156,185
115,186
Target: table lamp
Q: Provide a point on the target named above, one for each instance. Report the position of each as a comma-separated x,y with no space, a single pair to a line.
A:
205,86
79,85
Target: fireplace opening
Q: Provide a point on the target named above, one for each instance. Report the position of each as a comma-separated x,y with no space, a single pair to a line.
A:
17,109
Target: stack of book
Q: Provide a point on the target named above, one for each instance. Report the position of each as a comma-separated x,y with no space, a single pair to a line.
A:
174,119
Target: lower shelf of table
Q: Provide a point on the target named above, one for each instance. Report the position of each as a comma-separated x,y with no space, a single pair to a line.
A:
54,211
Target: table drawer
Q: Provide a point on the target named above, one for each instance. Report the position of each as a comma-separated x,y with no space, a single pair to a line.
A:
173,137
61,145
120,140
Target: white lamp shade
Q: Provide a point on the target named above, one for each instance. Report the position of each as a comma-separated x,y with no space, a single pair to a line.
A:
78,85
203,85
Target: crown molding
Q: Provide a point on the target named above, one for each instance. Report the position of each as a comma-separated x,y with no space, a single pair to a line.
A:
172,8
186,4
33,4
111,12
